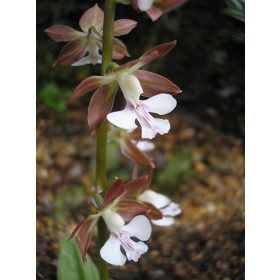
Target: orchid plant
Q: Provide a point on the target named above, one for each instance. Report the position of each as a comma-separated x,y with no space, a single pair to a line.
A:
127,208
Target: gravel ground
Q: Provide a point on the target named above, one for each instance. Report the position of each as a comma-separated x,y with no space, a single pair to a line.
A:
207,240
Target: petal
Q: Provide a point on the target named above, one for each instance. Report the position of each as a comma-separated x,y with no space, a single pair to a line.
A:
134,252
160,104
113,192
124,119
101,105
86,86
153,84
145,5
111,251
154,126
129,209
157,52
96,57
150,55
135,185
83,61
123,26
130,151
168,4
119,49
172,209
63,33
72,52
145,146
164,222
139,227
157,199
85,235
154,13
92,17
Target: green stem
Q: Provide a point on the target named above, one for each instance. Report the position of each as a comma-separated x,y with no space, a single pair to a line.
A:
101,147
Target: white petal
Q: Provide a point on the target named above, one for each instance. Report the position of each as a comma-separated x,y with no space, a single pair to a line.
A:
124,119
164,222
83,61
139,227
134,253
145,146
162,126
172,209
145,5
160,104
96,59
147,132
157,199
111,251
156,126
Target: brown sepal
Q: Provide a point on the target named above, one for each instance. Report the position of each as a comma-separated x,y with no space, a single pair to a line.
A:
101,105
129,209
153,84
113,192
130,151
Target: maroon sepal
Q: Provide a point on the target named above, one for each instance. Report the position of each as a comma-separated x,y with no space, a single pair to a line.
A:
130,151
129,209
123,26
152,54
85,86
85,235
113,192
62,33
168,4
154,13
72,52
101,105
135,185
153,84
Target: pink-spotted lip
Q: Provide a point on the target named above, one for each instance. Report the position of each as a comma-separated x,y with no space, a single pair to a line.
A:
142,114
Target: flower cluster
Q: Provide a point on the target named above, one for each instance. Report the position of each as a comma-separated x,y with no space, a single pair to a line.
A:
127,208
89,40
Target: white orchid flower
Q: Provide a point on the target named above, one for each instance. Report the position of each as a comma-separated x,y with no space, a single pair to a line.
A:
139,109
168,208
121,234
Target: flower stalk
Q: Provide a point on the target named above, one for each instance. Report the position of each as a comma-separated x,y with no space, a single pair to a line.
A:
101,147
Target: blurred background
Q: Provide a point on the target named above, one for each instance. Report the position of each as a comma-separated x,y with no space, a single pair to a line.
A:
200,163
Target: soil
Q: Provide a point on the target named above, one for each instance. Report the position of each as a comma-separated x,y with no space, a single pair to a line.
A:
207,239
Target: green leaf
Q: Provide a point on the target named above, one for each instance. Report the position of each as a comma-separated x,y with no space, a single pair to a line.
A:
53,97
70,264
236,13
